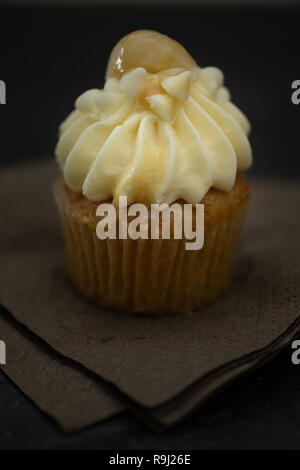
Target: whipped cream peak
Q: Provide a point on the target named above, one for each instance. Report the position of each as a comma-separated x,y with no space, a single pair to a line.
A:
161,129
178,85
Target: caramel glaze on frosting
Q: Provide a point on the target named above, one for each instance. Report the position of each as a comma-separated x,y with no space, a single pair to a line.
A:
161,129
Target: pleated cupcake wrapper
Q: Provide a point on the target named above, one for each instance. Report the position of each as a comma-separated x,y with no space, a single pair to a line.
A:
146,275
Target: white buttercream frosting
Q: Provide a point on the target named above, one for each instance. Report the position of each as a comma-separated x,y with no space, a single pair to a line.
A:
154,136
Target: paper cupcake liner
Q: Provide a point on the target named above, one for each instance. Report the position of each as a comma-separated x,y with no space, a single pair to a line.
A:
149,276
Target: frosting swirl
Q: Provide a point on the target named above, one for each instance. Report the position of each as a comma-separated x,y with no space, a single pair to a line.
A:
162,128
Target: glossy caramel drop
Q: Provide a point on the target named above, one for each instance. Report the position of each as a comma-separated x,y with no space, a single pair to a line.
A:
149,49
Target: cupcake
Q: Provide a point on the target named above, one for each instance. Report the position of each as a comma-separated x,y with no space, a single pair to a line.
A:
162,131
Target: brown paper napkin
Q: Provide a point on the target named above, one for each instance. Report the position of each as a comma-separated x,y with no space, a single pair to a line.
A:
75,401
151,360
71,398
197,395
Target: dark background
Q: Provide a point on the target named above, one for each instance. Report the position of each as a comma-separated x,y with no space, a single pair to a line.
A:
48,56
51,55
